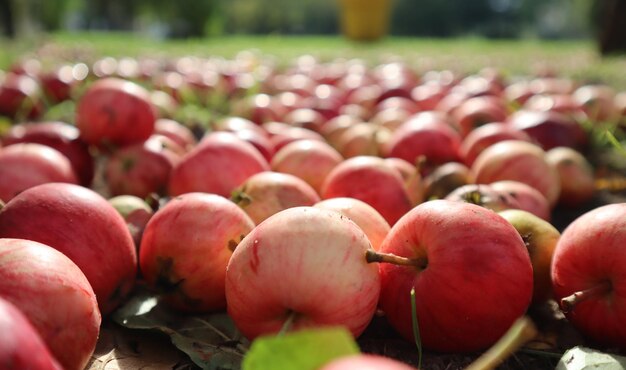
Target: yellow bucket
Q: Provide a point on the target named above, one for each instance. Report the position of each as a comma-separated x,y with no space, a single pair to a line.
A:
365,20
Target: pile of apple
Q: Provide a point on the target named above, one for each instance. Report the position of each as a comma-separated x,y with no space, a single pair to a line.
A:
322,193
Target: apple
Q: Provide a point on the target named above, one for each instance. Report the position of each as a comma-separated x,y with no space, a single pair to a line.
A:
164,103
484,136
135,211
365,216
25,165
355,178
587,269
218,164
259,141
20,97
56,298
286,134
483,195
363,139
233,124
115,112
365,362
61,136
425,134
334,128
468,266
549,129
302,267
186,246
175,131
60,83
404,168
84,226
267,193
21,346
576,174
519,161
598,102
477,111
140,169
528,198
540,238
560,103
444,179
391,118
428,95
310,160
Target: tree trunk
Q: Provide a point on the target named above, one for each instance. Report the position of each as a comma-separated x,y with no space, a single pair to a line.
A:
6,17
612,36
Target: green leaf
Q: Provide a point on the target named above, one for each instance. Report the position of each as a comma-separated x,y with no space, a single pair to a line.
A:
301,350
416,329
582,358
211,341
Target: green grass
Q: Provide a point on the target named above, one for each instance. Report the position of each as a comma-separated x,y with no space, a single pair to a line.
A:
576,59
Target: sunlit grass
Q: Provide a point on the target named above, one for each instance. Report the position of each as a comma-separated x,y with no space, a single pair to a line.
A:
576,59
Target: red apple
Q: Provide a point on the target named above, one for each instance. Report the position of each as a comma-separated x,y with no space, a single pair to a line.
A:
587,270
60,83
267,193
482,137
365,362
82,225
576,174
598,102
445,179
25,165
218,164
175,131
140,169
115,112
468,266
484,196
365,216
61,136
310,160
519,161
53,293
477,111
363,139
304,266
186,246
21,346
135,211
355,178
549,129
20,97
528,198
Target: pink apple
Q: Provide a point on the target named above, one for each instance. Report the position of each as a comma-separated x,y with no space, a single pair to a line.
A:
363,139
576,174
484,196
82,225
186,246
175,131
519,161
21,346
482,137
25,165
135,211
355,178
232,124
115,112
365,362
391,118
365,216
598,102
61,136
404,168
305,266
217,165
442,244
477,111
528,198
587,270
267,193
310,160
53,293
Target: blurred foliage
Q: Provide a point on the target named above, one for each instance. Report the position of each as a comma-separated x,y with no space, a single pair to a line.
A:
197,18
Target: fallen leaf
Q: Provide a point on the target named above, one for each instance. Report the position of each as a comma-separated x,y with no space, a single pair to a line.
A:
582,358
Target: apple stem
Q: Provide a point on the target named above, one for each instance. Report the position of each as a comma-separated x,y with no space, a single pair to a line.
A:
569,303
372,256
522,331
291,317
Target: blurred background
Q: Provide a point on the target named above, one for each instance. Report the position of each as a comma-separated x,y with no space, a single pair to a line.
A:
511,19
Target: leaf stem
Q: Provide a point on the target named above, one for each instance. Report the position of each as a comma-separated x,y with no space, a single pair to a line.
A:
416,329
521,332
569,303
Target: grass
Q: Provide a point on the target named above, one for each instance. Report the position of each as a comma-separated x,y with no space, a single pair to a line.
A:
576,59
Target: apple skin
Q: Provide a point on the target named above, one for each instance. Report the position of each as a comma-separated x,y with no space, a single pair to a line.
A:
175,131
21,346
588,255
84,226
528,198
576,174
140,169
467,256
303,262
365,362
218,164
483,195
354,178
310,160
549,129
25,165
186,246
477,111
53,293
267,193
365,216
20,97
444,179
484,136
363,139
115,112
60,136
519,161
540,238
136,212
